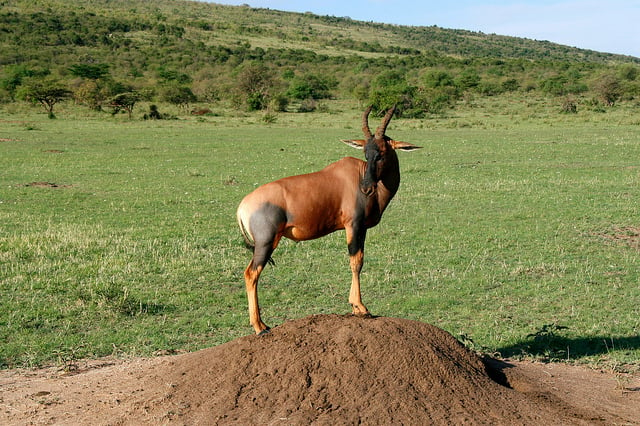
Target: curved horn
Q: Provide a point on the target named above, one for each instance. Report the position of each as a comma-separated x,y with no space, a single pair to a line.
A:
365,123
385,122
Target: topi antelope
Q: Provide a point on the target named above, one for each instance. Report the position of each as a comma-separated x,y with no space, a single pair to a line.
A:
349,194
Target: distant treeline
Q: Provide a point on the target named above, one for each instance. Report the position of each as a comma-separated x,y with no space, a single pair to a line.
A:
183,52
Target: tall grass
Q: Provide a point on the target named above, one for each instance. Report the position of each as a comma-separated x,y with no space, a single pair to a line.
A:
505,231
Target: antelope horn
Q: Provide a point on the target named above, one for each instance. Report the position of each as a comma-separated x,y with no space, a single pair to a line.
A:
385,122
365,123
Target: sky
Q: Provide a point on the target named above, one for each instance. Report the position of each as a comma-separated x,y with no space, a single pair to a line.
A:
611,26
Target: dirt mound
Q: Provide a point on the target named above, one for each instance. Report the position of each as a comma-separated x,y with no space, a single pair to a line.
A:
325,369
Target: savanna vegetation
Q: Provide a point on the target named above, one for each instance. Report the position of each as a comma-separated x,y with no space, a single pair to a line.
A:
109,55
515,228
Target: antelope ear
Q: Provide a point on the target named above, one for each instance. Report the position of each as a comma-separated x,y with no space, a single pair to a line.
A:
355,143
404,146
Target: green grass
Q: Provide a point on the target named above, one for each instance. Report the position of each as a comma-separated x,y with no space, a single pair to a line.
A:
503,231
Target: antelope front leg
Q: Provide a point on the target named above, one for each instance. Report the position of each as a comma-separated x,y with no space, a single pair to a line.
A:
251,275
356,261
355,243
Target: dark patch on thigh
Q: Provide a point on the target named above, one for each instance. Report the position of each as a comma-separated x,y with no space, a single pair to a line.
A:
266,221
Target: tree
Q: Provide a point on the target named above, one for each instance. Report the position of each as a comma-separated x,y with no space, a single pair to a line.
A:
608,88
312,86
125,101
47,92
468,79
554,85
439,92
173,75
96,85
16,74
91,72
254,84
438,78
92,93
179,95
391,88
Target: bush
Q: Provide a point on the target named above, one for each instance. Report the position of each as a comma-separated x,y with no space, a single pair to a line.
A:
569,106
269,118
554,85
279,103
154,114
468,79
308,105
256,101
391,88
438,78
510,85
490,88
608,88
254,84
178,95
312,86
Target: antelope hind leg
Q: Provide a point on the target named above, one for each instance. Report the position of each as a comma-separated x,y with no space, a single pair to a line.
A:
251,275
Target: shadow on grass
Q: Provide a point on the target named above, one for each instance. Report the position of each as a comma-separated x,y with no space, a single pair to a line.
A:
549,343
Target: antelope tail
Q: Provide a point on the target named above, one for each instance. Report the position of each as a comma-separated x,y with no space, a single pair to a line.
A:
248,240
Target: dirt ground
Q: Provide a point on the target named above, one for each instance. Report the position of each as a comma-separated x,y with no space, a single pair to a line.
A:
323,369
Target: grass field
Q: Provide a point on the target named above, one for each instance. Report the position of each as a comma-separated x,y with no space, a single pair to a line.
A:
516,228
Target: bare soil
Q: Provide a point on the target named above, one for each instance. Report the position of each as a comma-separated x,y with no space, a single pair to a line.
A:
324,369
46,185
629,235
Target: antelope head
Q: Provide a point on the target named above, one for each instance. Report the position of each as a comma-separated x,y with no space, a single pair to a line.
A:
379,151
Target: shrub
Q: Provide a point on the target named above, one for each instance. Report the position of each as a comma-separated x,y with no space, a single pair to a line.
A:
178,95
279,103
391,88
308,105
554,85
254,85
312,86
468,79
438,78
510,85
154,114
608,88
569,105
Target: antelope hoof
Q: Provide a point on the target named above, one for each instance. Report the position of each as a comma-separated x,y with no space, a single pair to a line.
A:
360,311
263,332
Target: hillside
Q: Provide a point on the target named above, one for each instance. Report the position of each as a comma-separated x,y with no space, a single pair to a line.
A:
64,22
205,46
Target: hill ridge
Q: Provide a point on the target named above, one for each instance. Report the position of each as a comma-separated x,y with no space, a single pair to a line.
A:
317,32
180,52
